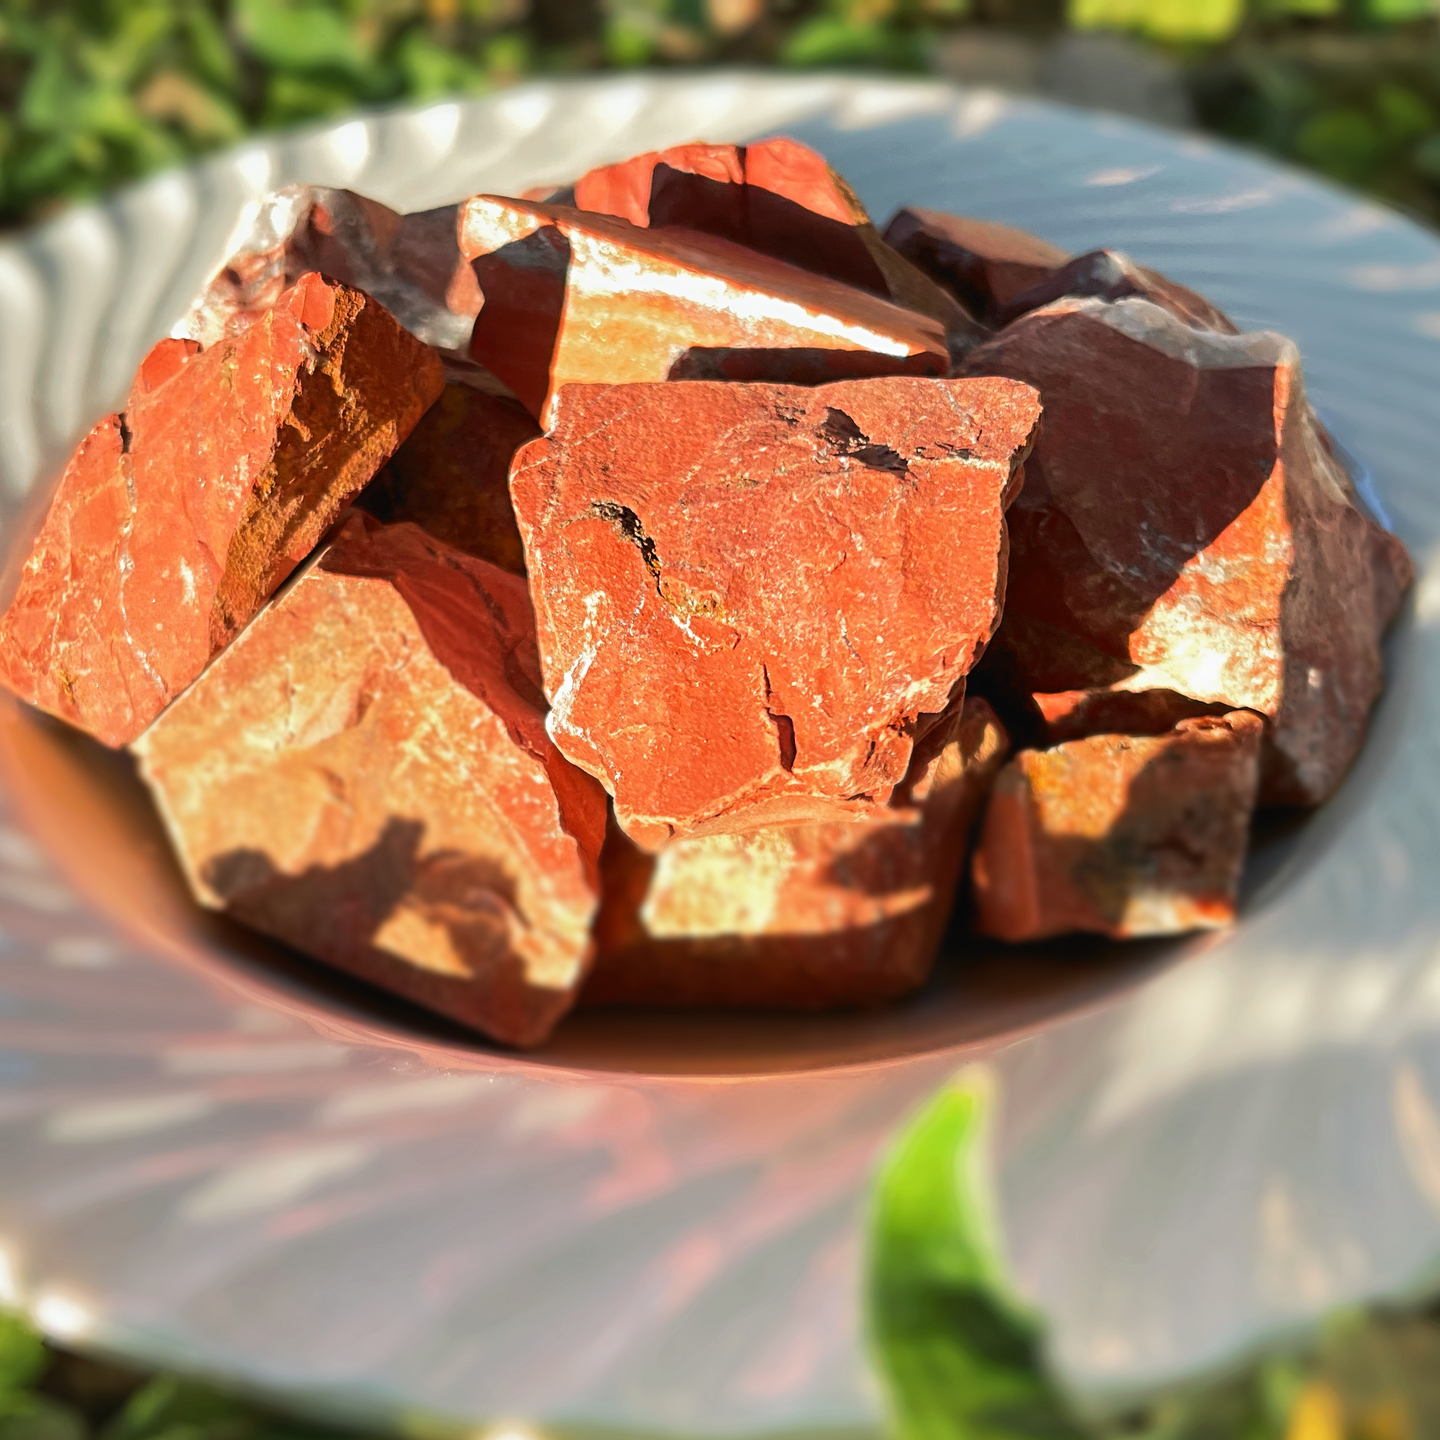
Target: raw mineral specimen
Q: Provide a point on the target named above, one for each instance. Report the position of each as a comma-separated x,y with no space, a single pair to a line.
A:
1124,835
452,476
1108,275
804,916
576,297
985,264
175,521
752,599
1185,528
776,196
410,263
365,775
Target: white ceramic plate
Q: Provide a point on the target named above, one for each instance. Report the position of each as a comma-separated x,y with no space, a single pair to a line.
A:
214,1157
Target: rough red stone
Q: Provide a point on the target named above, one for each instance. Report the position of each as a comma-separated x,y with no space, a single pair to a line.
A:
778,197
175,521
1123,835
986,265
410,263
1108,275
1185,528
748,597
576,297
804,916
365,775
452,476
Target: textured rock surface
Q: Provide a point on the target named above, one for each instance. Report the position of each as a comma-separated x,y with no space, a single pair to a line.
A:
1185,528
779,197
365,775
577,297
410,263
452,476
1123,835
747,597
175,521
1108,275
805,916
985,264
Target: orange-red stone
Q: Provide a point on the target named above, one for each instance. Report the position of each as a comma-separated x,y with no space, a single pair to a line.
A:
576,297
452,476
365,775
175,521
1109,275
410,263
804,916
1185,528
986,265
1121,835
778,197
749,598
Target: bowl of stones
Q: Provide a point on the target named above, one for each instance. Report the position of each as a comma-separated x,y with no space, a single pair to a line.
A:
571,656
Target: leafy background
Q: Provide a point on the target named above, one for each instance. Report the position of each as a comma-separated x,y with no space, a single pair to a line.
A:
97,91
94,92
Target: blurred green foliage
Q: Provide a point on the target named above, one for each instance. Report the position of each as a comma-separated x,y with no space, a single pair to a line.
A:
94,92
962,1357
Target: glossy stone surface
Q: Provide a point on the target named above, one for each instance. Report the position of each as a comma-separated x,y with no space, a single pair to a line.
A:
1122,835
1184,527
452,476
365,775
776,196
1109,275
804,916
175,521
410,263
576,297
749,599
986,265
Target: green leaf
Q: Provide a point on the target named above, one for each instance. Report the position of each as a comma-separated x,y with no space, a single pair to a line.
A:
299,37
430,70
1426,157
960,1355
36,1417
834,40
22,1354
1344,142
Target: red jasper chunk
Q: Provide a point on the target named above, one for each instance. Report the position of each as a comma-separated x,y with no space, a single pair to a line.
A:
778,197
749,596
1123,835
574,297
802,916
1185,528
175,521
365,775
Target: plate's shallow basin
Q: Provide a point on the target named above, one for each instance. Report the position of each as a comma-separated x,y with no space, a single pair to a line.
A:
215,1154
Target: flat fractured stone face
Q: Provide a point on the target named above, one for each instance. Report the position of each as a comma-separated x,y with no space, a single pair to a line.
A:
410,263
574,298
452,476
1185,528
984,264
365,775
749,598
806,916
1122,835
778,197
175,521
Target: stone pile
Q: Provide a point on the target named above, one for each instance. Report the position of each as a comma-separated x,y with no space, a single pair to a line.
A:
646,591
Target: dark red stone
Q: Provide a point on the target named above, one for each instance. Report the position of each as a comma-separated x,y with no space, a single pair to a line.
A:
778,197
1121,835
750,598
365,775
175,521
1185,528
984,264
576,297
805,916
